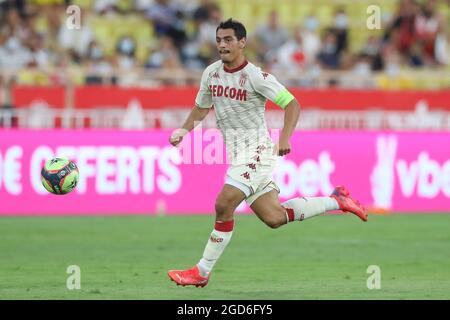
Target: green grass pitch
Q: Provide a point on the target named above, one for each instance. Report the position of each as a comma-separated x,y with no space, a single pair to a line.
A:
127,257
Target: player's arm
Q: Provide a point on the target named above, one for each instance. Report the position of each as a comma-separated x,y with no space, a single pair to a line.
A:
269,87
203,103
291,115
196,115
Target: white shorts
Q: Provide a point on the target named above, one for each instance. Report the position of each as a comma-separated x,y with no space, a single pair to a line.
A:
253,178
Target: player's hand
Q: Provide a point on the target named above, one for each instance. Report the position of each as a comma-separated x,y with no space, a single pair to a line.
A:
176,138
284,147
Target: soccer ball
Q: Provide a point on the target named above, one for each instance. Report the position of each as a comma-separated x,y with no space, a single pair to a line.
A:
59,176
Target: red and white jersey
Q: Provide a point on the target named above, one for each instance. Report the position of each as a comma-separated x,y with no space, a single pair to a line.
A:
239,96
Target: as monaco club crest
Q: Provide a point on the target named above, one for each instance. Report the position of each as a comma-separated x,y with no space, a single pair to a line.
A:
243,79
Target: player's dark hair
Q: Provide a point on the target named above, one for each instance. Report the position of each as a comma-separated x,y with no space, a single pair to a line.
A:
239,29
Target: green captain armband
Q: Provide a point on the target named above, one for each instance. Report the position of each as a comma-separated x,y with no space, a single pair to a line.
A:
283,98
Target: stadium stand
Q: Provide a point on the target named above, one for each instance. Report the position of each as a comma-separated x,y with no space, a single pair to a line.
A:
149,45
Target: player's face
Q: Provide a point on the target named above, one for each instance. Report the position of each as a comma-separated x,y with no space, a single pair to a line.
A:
228,46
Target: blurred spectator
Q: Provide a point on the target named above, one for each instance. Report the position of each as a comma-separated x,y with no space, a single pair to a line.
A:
39,55
311,23
99,67
125,52
372,50
372,46
94,51
14,25
291,55
363,65
126,46
428,25
269,37
207,27
311,39
165,57
206,36
201,50
392,59
340,28
329,54
167,20
13,55
202,12
401,32
6,5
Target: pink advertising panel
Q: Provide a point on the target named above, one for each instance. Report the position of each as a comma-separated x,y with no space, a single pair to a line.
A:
137,172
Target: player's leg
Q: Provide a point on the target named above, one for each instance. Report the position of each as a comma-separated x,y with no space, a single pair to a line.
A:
268,208
226,203
307,207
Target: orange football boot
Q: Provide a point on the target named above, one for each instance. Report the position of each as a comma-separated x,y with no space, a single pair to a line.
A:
347,204
189,277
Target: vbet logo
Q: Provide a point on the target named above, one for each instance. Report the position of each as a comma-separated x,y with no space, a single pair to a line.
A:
423,176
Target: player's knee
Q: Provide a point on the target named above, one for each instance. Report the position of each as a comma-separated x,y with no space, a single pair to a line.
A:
275,222
276,219
223,211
